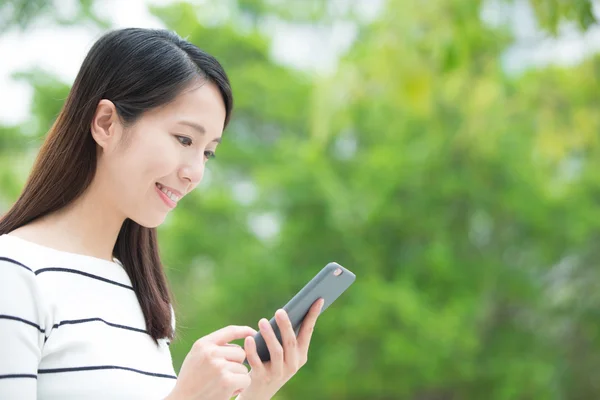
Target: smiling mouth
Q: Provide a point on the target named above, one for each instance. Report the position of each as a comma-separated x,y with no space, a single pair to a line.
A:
168,193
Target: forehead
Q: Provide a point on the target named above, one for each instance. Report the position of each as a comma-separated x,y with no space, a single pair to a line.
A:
200,103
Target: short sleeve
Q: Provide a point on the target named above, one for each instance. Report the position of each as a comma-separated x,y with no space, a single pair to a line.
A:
21,331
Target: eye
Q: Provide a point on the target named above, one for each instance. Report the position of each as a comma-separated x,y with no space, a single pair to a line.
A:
184,140
208,154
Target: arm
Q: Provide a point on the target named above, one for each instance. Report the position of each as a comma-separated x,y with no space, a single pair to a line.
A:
21,331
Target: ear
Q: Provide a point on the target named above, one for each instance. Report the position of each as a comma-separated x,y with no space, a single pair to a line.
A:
106,126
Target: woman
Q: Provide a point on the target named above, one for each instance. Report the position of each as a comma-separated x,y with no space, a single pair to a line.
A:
85,311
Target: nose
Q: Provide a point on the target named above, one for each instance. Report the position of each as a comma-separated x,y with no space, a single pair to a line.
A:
192,173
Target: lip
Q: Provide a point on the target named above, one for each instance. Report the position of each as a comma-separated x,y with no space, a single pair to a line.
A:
170,203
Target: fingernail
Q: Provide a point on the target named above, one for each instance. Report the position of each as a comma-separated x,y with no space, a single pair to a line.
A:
263,323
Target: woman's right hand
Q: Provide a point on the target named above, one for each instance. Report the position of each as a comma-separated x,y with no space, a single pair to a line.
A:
214,369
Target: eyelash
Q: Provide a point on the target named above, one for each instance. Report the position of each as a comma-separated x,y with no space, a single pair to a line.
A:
188,142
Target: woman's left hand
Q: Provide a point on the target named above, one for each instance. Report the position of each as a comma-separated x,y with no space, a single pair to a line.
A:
286,360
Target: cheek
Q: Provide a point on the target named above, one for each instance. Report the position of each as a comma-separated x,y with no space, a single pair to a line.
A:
155,168
144,165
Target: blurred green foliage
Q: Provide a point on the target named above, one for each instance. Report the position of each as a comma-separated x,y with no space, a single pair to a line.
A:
463,198
22,14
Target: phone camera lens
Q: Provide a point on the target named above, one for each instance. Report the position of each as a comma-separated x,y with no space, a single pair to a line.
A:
337,272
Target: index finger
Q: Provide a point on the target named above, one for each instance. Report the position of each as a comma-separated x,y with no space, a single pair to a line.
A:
308,325
229,333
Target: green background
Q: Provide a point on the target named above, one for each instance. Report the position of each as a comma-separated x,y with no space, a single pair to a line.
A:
462,195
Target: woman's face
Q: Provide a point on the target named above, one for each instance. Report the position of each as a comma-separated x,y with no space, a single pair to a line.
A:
145,169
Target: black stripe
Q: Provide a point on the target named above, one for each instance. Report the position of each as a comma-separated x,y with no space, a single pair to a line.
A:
18,376
74,271
73,322
4,316
10,260
97,367
82,321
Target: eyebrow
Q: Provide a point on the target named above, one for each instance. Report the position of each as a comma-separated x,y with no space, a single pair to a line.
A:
198,128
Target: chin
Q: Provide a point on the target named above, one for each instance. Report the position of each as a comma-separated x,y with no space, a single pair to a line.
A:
150,221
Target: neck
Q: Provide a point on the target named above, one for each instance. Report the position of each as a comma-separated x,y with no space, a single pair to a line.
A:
89,226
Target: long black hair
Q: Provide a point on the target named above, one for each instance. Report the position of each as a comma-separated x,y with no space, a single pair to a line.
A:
138,70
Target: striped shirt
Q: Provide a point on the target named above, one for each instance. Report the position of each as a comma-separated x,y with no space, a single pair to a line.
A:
71,327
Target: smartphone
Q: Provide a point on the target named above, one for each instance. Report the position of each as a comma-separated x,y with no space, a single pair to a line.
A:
329,284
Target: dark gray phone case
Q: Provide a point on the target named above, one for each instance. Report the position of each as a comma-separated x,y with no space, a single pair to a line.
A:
324,285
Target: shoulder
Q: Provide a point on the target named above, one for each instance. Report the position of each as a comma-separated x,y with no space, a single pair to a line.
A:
21,298
20,253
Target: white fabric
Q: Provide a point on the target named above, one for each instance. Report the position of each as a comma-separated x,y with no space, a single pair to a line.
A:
71,327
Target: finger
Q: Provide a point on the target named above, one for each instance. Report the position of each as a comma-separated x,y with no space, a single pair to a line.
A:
288,337
252,354
235,368
308,326
275,349
230,352
237,382
241,383
229,333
